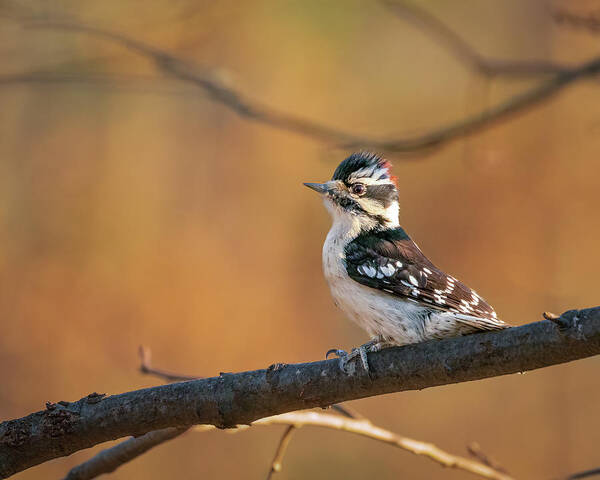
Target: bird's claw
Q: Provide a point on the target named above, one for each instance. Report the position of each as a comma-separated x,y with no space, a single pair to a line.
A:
374,345
346,357
337,352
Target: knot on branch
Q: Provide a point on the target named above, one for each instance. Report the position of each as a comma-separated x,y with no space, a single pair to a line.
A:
572,322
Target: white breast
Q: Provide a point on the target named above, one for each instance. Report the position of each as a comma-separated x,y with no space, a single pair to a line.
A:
379,313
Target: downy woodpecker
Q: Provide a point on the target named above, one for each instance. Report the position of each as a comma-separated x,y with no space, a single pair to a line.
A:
378,276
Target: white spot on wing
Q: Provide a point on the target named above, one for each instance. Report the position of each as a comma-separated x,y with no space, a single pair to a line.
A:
369,271
388,270
413,280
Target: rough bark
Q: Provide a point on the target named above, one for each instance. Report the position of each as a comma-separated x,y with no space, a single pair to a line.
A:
240,398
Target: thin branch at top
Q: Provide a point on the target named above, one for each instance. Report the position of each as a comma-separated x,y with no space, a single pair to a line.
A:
589,21
233,399
255,111
461,49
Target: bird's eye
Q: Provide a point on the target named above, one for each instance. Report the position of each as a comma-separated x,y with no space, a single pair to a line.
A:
358,189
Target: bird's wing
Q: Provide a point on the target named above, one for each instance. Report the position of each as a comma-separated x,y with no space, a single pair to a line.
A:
390,261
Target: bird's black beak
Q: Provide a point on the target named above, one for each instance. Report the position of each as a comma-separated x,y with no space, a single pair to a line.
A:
318,187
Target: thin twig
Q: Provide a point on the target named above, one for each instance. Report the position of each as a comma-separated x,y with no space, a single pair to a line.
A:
130,83
584,474
252,110
366,429
295,420
280,452
462,50
147,368
347,411
589,22
476,452
112,458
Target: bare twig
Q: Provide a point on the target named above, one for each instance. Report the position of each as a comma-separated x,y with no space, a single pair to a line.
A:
280,452
233,399
208,81
130,83
112,458
462,50
589,21
367,429
584,474
482,121
147,368
252,110
294,421
347,411
475,451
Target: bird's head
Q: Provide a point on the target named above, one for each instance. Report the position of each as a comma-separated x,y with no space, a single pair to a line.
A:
362,191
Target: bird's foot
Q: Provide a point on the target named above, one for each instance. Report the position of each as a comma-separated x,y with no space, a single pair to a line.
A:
374,345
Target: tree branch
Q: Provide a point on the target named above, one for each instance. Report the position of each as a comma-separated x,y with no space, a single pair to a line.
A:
463,51
112,458
229,97
147,368
475,451
587,21
294,420
284,441
366,429
231,399
586,474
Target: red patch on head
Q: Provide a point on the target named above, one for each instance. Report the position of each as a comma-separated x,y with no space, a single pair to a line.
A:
388,166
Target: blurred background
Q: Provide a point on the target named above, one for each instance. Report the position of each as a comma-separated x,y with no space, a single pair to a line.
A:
134,209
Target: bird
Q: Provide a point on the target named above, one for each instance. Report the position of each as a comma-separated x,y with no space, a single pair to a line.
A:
377,274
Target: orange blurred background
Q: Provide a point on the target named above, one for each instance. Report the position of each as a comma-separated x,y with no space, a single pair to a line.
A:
137,211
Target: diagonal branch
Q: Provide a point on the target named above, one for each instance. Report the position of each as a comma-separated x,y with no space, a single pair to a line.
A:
252,110
587,21
586,474
475,451
233,399
366,429
458,47
284,441
109,460
115,456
